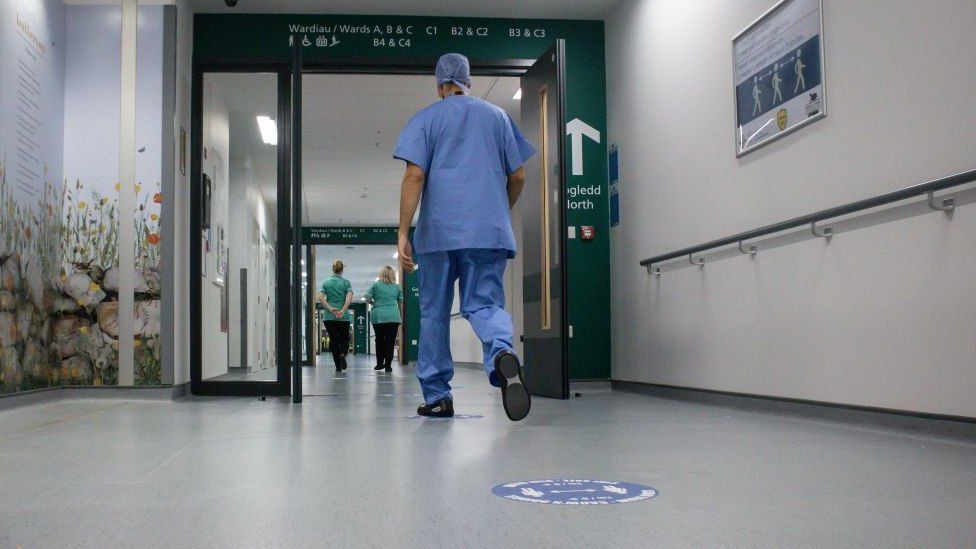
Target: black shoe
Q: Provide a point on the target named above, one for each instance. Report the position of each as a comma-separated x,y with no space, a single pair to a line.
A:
441,408
515,397
378,367
338,370
345,365
388,369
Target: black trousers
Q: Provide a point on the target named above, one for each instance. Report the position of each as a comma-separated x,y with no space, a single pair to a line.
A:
338,339
386,334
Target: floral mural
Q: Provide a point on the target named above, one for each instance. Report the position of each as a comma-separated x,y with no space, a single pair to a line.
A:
59,284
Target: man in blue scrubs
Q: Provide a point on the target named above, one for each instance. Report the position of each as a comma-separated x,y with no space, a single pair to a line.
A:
465,156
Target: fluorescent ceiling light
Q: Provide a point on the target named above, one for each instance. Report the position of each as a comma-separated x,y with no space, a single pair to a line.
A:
269,130
518,94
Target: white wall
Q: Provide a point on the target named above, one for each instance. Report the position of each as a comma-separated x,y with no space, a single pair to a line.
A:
178,229
251,223
883,315
216,140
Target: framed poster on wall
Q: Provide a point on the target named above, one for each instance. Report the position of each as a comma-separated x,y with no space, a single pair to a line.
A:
778,74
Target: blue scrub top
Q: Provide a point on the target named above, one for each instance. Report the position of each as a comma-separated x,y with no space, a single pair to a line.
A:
466,147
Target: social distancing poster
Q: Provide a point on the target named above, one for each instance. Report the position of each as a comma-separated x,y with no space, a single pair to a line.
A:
779,73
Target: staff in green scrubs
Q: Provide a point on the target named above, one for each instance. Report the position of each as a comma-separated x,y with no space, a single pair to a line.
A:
385,296
336,295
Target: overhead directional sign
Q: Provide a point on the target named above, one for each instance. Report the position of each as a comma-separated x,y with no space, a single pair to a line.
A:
577,129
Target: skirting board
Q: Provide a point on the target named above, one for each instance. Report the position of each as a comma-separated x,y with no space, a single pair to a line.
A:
963,428
160,393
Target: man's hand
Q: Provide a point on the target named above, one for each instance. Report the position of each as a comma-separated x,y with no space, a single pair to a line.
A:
516,180
405,251
413,186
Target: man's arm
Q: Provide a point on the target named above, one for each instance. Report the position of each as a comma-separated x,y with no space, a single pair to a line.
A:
516,180
410,191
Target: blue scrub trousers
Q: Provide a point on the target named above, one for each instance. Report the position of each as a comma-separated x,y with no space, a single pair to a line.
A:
479,273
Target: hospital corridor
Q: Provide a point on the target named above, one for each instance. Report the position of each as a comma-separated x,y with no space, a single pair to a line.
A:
409,274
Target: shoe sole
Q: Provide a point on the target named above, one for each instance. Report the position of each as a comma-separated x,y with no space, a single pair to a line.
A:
515,397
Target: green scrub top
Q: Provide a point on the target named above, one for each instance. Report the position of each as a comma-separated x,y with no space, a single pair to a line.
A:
386,298
335,289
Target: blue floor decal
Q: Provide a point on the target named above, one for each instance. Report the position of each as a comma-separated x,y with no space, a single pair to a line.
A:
574,492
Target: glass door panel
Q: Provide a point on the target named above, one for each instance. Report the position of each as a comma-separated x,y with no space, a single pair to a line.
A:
239,253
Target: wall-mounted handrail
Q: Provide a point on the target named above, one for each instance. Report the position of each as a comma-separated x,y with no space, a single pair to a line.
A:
812,219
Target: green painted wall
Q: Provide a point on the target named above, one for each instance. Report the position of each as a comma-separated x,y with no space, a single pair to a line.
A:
411,304
354,40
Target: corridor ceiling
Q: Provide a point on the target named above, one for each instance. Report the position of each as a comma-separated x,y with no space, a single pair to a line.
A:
351,125
538,9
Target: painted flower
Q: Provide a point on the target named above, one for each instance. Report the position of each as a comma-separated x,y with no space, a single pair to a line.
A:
82,205
118,187
154,217
27,232
94,287
83,329
104,201
136,342
153,239
158,198
138,189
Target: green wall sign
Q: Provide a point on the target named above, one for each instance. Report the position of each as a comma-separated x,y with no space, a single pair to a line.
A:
359,328
349,235
411,325
414,43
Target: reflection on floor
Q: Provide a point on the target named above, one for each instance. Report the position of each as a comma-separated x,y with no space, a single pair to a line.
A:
353,470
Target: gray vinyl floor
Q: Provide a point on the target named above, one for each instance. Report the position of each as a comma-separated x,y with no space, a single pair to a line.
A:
352,470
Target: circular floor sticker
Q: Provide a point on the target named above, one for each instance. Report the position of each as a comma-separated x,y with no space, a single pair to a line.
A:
574,492
456,416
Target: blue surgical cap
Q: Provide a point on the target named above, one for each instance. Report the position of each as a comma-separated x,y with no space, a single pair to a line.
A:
453,67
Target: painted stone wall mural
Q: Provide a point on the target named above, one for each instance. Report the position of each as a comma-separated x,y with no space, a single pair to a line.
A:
148,286
59,197
30,249
63,330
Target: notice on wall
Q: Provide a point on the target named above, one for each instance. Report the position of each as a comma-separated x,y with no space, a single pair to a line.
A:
28,175
778,74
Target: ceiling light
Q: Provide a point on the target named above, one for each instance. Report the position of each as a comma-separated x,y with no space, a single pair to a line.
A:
269,130
518,94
